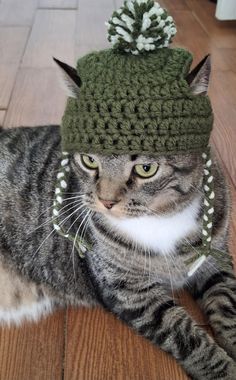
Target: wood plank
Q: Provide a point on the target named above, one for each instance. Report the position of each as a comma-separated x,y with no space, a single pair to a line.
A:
2,116
37,98
192,308
188,28
7,80
12,43
83,49
103,348
221,137
17,12
59,4
223,97
90,25
54,32
224,59
222,33
179,5
171,5
232,188
34,350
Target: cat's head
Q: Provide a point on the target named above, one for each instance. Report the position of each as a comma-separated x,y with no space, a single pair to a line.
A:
132,185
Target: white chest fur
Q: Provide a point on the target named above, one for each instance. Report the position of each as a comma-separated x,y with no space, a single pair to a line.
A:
160,233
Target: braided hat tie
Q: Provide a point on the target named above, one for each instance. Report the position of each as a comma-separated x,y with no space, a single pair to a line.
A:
200,255
80,244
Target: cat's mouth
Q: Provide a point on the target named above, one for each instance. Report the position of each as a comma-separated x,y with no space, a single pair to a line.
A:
109,207
119,210
115,208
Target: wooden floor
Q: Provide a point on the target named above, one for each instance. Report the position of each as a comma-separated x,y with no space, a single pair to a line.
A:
90,344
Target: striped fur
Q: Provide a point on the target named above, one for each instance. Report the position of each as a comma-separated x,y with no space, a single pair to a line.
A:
128,276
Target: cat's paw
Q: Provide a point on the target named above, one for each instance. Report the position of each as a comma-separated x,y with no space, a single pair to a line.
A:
225,371
224,328
227,342
231,372
221,311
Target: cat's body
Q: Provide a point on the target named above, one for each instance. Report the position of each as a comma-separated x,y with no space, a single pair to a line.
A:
30,158
128,270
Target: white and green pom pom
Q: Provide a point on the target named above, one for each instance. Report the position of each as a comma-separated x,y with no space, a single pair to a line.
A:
140,26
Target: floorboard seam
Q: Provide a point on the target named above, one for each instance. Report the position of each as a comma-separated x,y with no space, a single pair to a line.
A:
19,64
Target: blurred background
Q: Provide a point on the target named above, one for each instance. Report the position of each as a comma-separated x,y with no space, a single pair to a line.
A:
91,344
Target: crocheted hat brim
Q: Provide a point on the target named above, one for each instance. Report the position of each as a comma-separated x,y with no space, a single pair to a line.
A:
188,133
136,105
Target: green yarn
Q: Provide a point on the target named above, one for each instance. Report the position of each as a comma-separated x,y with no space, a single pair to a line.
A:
140,26
136,104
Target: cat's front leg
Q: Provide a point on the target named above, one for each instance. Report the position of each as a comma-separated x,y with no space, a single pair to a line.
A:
216,294
153,314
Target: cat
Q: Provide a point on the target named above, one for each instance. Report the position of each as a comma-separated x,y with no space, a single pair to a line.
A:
135,227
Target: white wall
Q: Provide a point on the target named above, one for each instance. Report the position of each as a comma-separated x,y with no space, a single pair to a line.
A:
226,10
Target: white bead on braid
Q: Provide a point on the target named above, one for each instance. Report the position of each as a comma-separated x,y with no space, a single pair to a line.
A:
207,225
140,26
61,185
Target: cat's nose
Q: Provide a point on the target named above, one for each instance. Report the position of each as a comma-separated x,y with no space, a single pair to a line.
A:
108,204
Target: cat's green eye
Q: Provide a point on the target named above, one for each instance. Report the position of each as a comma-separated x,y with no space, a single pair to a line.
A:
146,170
89,162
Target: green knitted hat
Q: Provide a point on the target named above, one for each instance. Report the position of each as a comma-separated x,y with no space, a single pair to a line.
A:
134,97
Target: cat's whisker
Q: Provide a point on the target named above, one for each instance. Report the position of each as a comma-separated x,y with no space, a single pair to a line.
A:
62,208
170,276
51,232
75,238
47,221
145,262
199,190
50,220
209,263
153,212
76,193
76,218
72,253
150,267
176,268
51,207
52,196
214,268
55,230
69,216
83,233
134,253
75,197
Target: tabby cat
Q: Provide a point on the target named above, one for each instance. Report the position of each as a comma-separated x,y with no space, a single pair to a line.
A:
136,212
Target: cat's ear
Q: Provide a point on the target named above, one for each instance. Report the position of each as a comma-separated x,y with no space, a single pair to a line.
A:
198,78
71,80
